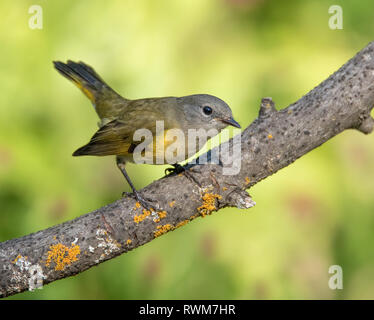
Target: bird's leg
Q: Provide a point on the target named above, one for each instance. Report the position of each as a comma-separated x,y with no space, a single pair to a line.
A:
121,165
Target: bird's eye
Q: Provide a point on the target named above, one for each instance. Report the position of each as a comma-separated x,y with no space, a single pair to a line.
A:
207,110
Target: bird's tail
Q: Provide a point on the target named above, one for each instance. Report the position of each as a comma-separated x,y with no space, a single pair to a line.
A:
90,83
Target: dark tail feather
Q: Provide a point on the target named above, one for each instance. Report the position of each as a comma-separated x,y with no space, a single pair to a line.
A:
83,76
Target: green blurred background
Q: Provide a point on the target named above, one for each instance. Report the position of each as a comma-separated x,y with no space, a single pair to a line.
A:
313,214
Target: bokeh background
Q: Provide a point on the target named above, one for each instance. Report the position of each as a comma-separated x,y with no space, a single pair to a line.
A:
315,213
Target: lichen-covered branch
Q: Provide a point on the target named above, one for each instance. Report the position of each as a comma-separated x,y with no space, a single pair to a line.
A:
273,141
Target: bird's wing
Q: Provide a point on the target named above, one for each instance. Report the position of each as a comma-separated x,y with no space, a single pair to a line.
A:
117,136
114,138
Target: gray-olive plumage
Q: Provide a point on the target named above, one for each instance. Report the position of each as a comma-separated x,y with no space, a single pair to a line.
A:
121,117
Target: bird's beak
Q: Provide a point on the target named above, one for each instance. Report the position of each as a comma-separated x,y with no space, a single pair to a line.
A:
231,122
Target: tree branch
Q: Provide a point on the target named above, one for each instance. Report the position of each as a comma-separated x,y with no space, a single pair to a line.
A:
273,141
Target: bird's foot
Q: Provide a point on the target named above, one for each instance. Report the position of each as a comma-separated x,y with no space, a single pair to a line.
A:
178,169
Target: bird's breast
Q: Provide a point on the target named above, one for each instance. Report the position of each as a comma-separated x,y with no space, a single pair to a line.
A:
173,146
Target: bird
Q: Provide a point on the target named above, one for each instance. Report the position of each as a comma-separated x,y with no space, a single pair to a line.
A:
120,118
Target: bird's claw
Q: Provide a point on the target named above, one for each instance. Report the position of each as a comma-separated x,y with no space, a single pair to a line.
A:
176,169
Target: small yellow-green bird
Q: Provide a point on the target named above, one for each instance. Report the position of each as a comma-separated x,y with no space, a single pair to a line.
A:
121,117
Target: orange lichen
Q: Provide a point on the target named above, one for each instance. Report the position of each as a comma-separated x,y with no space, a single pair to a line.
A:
224,188
162,214
128,242
168,227
270,136
247,180
62,255
171,204
16,259
209,203
182,223
141,217
137,205
163,229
